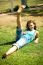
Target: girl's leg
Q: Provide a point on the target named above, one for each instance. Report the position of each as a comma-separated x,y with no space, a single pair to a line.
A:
11,50
24,2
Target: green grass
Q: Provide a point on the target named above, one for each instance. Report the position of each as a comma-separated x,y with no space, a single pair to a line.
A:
7,34
31,54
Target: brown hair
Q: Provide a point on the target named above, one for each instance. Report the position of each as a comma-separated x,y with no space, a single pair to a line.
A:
28,24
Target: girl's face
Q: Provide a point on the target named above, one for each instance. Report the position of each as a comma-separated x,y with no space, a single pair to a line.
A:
31,26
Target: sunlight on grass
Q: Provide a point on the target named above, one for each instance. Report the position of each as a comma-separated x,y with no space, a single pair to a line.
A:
6,34
31,54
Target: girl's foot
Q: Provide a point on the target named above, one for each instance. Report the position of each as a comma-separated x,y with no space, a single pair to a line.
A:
4,56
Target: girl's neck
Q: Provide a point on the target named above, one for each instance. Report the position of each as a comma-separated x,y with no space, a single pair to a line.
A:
31,29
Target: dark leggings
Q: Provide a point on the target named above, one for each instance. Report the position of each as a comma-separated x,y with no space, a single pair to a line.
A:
18,33
23,2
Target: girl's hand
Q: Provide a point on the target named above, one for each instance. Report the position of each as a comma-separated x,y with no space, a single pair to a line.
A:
36,41
23,33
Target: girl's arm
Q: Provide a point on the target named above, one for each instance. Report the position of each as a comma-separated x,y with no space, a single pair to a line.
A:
36,37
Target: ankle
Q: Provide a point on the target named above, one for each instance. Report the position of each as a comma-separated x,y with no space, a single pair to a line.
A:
4,56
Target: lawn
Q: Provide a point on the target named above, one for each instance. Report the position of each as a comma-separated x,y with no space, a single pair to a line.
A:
31,54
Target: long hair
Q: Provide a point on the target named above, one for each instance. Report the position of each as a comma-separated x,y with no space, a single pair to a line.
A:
28,24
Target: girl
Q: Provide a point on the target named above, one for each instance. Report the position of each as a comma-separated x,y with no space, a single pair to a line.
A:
23,37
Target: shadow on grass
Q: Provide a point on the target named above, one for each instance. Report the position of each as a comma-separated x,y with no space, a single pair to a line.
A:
8,43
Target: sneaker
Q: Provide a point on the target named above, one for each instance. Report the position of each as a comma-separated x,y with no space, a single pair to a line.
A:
16,8
26,7
4,56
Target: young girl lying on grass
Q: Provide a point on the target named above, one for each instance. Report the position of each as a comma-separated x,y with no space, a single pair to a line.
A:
23,38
